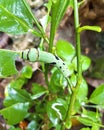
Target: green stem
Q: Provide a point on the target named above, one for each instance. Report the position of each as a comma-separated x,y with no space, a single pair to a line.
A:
79,70
35,20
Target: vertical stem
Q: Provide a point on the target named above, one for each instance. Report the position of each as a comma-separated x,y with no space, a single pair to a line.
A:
79,70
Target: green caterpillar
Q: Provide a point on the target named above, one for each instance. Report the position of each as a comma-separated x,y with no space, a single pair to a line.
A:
34,55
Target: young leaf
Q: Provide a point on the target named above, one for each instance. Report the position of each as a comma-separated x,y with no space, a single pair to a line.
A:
14,17
7,63
15,113
97,96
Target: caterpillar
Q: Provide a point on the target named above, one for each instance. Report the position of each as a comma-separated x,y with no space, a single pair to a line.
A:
34,55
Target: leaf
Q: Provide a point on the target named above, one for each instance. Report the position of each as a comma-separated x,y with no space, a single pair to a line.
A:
26,72
13,128
83,89
85,61
16,96
7,62
31,125
71,3
65,50
57,82
85,121
57,110
92,28
14,17
38,91
15,113
58,9
89,118
97,96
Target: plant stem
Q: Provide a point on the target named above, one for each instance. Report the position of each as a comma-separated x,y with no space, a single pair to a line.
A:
35,20
79,70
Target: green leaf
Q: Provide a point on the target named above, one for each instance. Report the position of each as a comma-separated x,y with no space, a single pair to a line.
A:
32,125
83,90
71,3
85,121
16,96
38,91
14,17
65,50
95,127
26,72
98,95
92,28
57,110
13,128
15,113
58,9
86,62
89,118
57,82
7,62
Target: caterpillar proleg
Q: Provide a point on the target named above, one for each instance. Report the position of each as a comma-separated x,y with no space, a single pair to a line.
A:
34,55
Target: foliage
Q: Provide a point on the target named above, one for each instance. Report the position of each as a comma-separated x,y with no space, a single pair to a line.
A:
64,98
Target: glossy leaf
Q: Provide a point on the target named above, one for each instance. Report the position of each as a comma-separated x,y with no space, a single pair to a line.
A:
97,96
65,50
14,17
85,61
15,113
7,63
57,110
16,96
38,91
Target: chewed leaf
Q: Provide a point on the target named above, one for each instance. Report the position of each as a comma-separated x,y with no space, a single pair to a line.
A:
7,63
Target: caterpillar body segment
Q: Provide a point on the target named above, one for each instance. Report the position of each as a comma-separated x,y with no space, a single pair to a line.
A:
34,55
